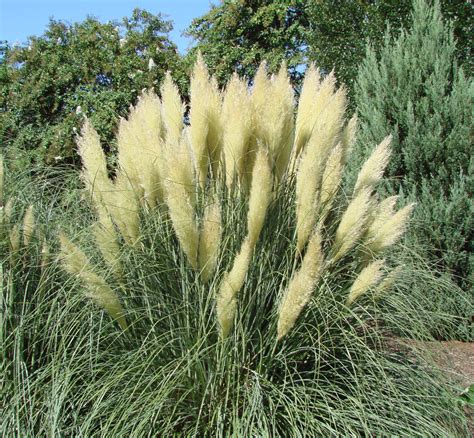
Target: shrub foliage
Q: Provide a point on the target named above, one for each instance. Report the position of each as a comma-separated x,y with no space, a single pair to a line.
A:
414,90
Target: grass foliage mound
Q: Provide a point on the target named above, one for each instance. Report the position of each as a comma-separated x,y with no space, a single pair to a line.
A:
217,281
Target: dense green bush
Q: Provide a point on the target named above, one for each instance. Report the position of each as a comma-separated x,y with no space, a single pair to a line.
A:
87,68
415,90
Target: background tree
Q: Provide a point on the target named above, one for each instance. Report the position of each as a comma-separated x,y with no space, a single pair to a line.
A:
239,35
74,69
415,90
236,35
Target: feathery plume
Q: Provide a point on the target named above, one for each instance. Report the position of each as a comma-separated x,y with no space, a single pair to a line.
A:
94,163
388,233
106,240
28,225
180,187
237,130
382,213
368,278
179,167
226,300
182,215
198,90
214,133
75,262
325,119
353,223
349,135
304,117
308,187
210,240
281,145
139,148
122,205
14,237
373,169
172,111
331,178
260,92
389,281
260,196
274,123
202,110
301,286
7,212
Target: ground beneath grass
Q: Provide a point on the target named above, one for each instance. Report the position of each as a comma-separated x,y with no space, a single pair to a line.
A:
454,358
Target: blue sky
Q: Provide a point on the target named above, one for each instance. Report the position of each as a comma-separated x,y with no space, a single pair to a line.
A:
22,18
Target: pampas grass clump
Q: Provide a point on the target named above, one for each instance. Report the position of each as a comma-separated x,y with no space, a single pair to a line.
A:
190,174
243,288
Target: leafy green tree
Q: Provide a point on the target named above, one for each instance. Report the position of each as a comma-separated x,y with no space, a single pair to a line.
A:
86,68
237,35
415,90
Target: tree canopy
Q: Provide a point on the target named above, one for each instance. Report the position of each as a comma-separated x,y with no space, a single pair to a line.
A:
236,35
239,35
78,69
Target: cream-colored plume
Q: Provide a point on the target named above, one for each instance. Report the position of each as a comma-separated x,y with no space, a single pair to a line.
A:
199,94
180,187
349,135
324,120
139,148
76,263
305,117
274,122
381,214
260,92
214,134
204,118
180,167
172,111
373,169
260,195
28,225
331,178
94,163
107,240
122,205
184,224
301,286
237,122
7,212
226,300
210,240
389,232
118,197
367,279
353,223
308,188
14,237
389,281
